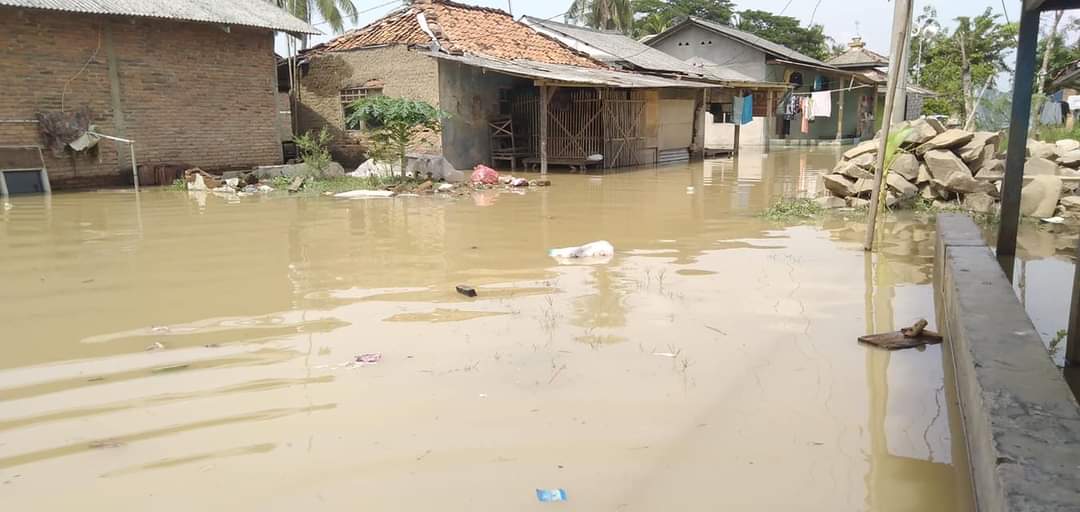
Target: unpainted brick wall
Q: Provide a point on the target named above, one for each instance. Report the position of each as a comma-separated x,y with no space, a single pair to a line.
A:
189,92
404,73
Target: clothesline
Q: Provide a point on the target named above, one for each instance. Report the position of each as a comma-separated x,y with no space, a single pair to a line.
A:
830,91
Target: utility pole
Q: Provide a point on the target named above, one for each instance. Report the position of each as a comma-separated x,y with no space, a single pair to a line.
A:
901,21
901,31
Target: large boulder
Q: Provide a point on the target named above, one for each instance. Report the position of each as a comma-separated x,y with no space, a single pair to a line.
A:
979,202
994,169
855,202
1036,166
863,188
866,160
1071,203
852,171
924,175
950,139
942,163
906,165
1039,198
965,184
870,146
987,154
974,148
1036,149
921,132
1066,145
838,185
1070,159
901,185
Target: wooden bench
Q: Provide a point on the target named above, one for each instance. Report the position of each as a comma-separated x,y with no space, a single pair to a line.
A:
575,164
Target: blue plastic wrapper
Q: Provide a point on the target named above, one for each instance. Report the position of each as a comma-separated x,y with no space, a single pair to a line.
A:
546,495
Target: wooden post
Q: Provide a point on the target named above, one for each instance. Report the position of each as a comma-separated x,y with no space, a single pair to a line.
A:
899,43
840,118
770,118
543,130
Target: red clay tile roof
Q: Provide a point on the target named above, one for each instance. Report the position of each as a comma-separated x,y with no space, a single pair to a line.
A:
461,29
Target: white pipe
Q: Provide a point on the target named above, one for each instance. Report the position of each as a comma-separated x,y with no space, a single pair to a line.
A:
131,143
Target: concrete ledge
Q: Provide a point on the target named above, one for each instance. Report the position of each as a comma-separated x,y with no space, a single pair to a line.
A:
1021,421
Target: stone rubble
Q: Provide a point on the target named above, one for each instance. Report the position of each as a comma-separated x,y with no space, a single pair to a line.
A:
952,167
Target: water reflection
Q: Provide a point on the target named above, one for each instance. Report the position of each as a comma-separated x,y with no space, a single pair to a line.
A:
715,351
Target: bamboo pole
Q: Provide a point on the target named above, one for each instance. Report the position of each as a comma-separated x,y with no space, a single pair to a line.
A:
543,130
901,23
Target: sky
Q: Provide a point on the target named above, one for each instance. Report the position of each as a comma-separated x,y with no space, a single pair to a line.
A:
872,21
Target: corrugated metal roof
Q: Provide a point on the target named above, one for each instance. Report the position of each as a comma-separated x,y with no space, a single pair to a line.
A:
762,44
249,13
571,74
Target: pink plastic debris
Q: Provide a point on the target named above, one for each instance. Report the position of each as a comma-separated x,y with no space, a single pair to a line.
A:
486,175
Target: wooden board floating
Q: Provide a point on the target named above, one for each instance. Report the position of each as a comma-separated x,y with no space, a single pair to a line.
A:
908,337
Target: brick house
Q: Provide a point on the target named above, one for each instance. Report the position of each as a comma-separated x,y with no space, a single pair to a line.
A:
483,67
191,81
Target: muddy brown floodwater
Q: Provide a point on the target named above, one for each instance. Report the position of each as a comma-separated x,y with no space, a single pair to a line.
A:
183,353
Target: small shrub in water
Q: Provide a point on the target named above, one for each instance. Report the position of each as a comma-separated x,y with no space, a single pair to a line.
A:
789,208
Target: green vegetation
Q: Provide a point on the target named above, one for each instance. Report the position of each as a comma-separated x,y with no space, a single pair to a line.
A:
392,124
1055,344
320,186
959,63
314,149
179,185
1056,133
615,15
335,12
787,209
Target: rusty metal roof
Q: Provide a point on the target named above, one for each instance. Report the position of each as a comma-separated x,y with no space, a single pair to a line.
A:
248,13
461,30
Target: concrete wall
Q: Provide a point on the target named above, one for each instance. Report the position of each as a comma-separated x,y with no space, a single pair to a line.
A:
470,96
404,73
694,41
186,92
1021,421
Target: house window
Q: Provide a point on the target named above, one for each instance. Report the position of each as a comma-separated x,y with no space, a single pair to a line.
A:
761,104
351,94
722,112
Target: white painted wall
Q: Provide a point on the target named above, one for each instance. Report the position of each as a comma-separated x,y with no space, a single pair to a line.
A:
694,41
722,135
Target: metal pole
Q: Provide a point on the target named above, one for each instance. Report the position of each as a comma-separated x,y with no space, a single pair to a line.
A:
1018,128
840,118
900,35
543,130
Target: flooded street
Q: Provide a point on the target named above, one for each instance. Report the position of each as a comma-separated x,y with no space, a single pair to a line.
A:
177,352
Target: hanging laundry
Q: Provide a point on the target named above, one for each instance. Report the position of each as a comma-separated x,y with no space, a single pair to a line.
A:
748,110
822,103
736,110
1074,102
807,108
807,113
791,107
1051,114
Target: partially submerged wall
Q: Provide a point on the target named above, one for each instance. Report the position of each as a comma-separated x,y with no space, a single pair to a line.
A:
398,71
186,92
1021,421
471,97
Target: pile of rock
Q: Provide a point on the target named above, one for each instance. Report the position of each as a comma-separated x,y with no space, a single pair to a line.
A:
950,168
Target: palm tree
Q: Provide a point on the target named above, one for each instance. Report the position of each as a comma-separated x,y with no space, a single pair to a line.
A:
603,14
334,12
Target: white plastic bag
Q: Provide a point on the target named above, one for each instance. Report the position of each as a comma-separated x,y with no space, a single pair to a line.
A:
601,249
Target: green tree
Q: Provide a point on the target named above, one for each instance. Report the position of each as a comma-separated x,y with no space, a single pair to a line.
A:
334,12
392,124
958,64
655,16
603,14
786,31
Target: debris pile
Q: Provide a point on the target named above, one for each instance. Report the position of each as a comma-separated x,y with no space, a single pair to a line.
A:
957,168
